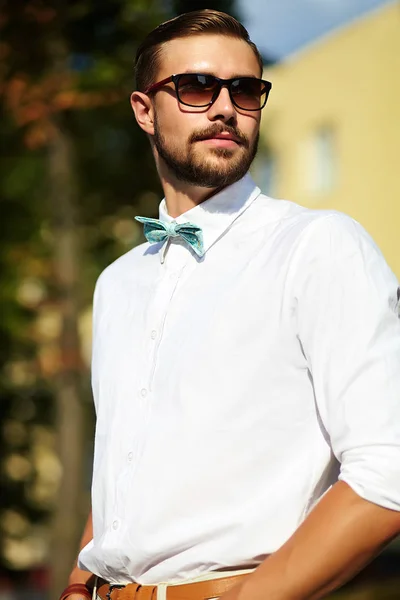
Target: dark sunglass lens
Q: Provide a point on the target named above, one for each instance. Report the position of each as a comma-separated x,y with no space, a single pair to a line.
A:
248,93
196,90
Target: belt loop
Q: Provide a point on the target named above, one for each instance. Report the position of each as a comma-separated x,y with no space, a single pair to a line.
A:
94,593
162,591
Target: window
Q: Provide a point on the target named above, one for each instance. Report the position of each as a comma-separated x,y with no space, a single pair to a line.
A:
320,168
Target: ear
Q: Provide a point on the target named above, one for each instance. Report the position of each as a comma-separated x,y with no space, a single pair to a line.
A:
144,111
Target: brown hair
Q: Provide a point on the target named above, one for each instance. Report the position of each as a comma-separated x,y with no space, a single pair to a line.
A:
209,21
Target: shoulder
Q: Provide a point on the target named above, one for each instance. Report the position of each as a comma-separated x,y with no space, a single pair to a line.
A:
307,231
334,252
333,237
326,230
304,220
321,242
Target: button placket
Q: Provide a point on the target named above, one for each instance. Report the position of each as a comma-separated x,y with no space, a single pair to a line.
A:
159,309
176,261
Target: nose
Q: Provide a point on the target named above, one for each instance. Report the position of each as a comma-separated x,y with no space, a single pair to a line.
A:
222,109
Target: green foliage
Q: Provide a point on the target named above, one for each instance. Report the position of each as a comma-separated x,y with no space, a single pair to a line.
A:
69,65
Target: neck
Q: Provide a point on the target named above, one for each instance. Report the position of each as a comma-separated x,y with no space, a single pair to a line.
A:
179,195
182,197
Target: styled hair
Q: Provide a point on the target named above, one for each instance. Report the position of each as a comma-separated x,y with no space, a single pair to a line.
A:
207,21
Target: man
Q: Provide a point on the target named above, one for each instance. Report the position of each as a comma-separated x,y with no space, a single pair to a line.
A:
245,361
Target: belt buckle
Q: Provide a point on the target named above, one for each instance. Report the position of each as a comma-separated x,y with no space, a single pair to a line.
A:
112,587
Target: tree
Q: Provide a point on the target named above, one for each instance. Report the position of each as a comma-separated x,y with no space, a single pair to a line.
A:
74,178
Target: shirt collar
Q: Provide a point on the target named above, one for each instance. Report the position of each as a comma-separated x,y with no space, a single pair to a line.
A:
217,214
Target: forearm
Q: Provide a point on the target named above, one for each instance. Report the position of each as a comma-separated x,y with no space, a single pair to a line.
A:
338,538
78,575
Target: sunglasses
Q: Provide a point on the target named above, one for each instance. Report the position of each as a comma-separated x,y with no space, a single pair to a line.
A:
199,90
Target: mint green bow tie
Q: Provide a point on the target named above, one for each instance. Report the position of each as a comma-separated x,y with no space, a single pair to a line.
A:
158,231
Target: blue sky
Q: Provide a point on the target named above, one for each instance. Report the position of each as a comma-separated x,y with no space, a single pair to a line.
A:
279,27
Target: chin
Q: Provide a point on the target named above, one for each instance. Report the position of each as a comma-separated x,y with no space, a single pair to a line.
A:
223,158
224,152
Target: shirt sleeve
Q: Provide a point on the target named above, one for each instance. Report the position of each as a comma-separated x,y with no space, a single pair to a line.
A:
96,316
349,330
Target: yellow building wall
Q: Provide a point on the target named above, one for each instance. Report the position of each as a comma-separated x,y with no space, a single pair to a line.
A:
349,82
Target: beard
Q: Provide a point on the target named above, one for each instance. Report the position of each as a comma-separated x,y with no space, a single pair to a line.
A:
189,167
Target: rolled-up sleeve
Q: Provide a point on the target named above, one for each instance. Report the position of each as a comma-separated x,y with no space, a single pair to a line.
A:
349,330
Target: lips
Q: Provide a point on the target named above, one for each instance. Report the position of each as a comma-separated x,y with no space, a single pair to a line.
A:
227,137
222,136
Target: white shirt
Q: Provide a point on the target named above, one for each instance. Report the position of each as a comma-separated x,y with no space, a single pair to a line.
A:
231,390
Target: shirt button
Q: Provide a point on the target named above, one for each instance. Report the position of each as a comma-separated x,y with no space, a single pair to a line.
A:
130,456
153,334
143,392
115,524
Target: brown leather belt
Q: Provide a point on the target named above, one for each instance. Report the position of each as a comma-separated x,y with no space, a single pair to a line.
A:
199,590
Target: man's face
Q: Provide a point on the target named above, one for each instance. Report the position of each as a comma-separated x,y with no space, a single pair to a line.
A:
184,136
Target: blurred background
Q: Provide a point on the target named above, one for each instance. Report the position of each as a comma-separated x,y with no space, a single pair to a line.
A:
75,170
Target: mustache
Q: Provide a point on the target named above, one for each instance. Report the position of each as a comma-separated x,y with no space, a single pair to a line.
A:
216,129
